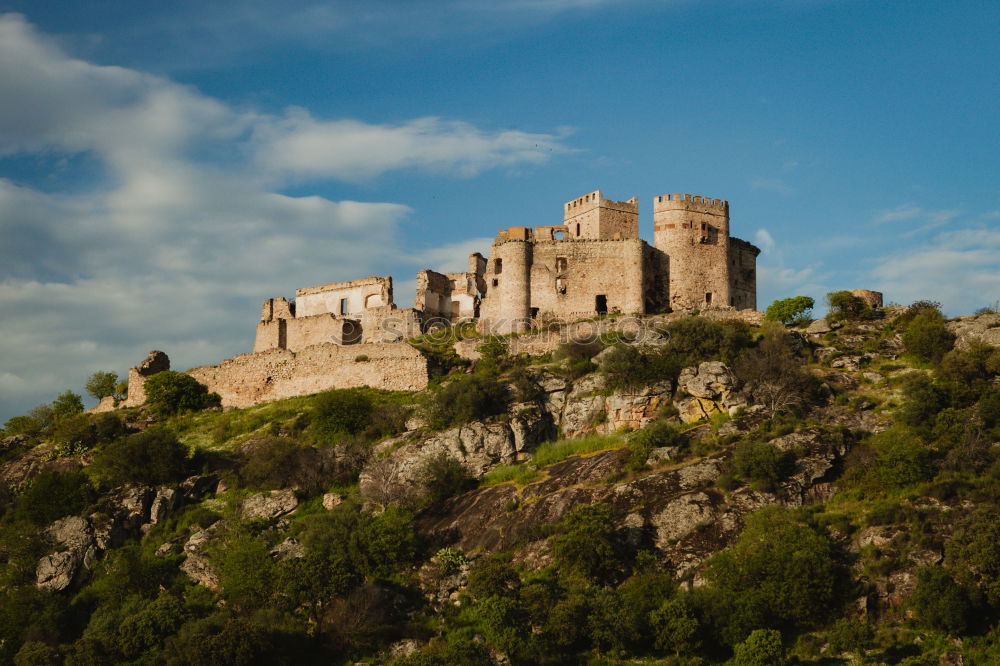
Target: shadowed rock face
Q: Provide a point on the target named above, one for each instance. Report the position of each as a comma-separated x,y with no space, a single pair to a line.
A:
156,361
677,511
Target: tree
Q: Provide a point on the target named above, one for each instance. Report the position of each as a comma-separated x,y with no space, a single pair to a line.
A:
941,603
780,571
774,375
763,463
789,311
102,384
468,398
443,477
845,305
52,495
675,626
65,405
170,392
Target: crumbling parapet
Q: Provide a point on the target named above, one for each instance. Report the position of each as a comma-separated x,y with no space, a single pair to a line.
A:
872,298
155,361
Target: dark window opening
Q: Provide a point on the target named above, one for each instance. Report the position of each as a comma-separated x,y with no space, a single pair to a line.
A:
498,266
534,313
601,304
344,308
578,229
708,298
732,301
558,235
496,283
561,264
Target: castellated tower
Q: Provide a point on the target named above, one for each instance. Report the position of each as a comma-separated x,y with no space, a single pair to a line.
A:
593,216
694,233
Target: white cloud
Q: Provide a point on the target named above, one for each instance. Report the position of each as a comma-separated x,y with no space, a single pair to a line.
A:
351,150
762,238
959,268
898,214
177,244
776,185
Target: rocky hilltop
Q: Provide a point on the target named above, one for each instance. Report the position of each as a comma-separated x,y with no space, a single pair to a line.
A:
689,492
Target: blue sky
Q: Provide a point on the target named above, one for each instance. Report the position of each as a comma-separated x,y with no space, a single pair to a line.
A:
164,167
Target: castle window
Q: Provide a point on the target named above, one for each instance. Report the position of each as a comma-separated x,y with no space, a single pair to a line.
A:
560,286
561,264
577,229
498,266
534,313
344,307
496,283
708,298
601,304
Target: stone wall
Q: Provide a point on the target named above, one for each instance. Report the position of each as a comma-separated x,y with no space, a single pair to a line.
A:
593,216
155,361
872,298
344,298
743,274
251,379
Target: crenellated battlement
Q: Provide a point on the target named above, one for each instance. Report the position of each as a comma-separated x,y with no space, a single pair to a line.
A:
665,202
594,200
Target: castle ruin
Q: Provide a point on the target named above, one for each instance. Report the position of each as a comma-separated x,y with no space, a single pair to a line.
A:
341,335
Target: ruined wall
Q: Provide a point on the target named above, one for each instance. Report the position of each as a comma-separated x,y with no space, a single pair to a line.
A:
250,379
390,324
872,298
743,274
593,216
449,296
155,361
694,232
359,294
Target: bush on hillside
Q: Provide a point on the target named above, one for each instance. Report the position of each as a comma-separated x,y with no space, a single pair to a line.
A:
586,543
66,405
52,495
695,339
657,434
342,412
927,336
152,457
626,367
468,398
774,375
942,604
444,477
762,463
170,392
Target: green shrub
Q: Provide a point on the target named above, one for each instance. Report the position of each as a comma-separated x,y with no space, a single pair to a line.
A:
761,648
444,477
972,553
853,636
342,412
281,462
494,352
927,336
762,463
923,401
774,375
493,576
675,627
790,311
170,392
780,572
902,458
153,457
66,404
22,425
586,543
52,495
940,603
656,435
694,339
625,367
468,398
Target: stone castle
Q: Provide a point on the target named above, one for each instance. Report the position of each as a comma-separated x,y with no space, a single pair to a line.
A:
594,263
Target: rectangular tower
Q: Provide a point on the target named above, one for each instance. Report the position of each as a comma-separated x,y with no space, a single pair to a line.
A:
592,216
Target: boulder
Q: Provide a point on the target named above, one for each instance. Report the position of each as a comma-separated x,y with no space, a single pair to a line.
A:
13,441
681,517
55,572
849,363
819,326
74,532
290,548
196,565
269,505
978,328
194,488
331,500
163,504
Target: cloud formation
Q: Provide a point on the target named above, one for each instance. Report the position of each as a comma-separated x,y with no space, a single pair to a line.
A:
168,237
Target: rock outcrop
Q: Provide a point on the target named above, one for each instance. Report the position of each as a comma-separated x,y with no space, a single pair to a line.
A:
711,388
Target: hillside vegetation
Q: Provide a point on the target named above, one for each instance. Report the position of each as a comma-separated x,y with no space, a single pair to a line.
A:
711,493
